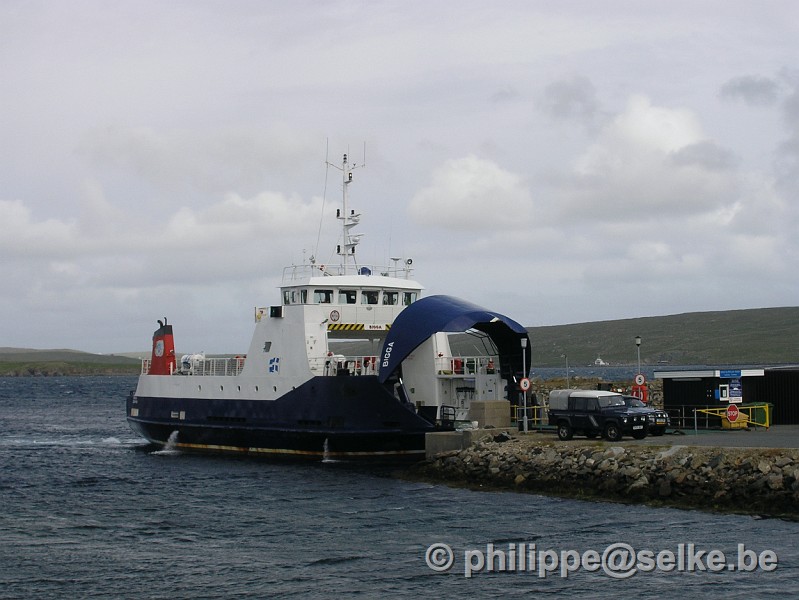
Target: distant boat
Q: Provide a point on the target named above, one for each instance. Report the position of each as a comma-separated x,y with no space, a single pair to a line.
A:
600,363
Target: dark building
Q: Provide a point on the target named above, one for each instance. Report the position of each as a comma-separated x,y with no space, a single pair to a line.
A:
684,391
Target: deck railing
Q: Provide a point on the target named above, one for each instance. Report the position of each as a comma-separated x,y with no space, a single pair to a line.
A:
338,364
204,366
465,365
299,273
334,365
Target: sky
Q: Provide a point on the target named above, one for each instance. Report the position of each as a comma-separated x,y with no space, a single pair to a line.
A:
557,162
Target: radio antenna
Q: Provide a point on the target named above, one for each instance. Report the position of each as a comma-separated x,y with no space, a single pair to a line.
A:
324,196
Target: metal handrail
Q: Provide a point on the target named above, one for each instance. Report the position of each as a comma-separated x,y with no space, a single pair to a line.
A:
685,416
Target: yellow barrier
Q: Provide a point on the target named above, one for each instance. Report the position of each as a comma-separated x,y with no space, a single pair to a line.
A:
753,414
536,415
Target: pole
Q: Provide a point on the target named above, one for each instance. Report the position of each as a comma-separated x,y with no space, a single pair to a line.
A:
524,374
638,345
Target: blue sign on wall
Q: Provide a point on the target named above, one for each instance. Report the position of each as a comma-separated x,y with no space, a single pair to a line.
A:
730,373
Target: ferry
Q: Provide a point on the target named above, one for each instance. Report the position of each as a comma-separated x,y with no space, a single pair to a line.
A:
294,394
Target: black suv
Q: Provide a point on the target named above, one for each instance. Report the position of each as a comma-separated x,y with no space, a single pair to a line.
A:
592,413
658,419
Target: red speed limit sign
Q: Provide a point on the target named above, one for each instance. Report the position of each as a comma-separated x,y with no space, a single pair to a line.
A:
524,384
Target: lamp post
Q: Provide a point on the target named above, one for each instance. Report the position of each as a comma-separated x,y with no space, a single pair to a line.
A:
567,369
638,345
524,374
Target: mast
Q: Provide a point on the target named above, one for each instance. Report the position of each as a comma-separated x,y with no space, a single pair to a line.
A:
349,219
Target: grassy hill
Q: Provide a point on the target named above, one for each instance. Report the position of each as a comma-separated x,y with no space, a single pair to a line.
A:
752,336
27,361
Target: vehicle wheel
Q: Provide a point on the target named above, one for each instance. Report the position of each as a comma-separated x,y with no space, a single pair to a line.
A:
565,432
612,432
639,435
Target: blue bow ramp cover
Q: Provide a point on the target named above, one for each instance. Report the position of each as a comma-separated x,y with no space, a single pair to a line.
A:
433,314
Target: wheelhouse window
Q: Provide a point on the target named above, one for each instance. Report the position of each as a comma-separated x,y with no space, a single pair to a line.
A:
295,296
347,296
390,298
408,298
323,296
369,296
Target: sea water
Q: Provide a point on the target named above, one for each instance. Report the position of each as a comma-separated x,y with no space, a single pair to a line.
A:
89,510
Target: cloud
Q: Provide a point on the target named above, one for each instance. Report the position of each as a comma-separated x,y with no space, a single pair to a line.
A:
706,155
233,238
209,160
475,194
574,98
647,162
751,89
787,157
22,237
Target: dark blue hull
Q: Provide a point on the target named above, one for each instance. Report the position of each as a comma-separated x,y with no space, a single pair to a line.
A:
327,417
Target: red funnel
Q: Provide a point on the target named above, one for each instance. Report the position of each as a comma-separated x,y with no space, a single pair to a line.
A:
162,361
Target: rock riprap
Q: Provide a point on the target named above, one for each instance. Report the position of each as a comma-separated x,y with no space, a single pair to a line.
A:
743,480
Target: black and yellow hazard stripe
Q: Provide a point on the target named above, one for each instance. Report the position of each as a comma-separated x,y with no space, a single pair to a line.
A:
345,327
350,326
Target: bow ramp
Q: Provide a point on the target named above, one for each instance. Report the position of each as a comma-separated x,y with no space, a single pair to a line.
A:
448,386
447,314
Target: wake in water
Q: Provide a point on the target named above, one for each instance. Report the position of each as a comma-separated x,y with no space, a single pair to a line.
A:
170,448
326,453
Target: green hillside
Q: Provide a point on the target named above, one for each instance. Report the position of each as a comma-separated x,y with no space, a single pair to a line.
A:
752,336
27,361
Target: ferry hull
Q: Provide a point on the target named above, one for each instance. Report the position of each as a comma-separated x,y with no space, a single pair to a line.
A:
308,444
325,418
